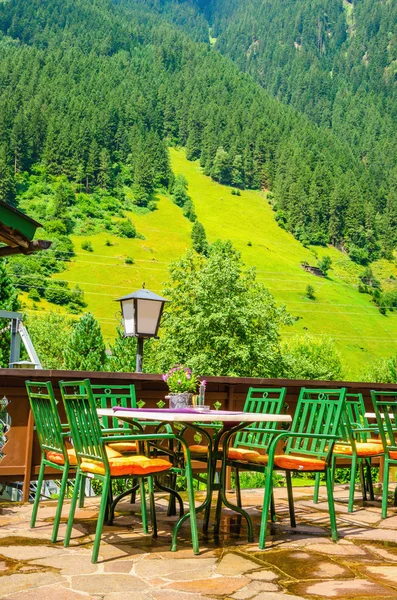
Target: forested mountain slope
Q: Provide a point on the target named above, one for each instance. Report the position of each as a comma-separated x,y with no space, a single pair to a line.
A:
336,62
93,89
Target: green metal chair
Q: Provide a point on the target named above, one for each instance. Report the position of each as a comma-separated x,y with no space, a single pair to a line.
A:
257,436
357,445
308,448
52,436
89,443
385,406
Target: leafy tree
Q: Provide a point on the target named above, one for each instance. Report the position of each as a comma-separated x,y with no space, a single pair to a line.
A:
325,264
50,335
311,358
199,239
220,319
221,169
238,171
85,348
310,293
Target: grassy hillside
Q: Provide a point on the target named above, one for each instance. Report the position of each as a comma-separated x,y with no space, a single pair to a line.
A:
361,333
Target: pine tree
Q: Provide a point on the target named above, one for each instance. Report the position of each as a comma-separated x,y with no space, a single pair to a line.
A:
238,171
199,239
8,301
221,169
85,350
123,353
104,172
7,183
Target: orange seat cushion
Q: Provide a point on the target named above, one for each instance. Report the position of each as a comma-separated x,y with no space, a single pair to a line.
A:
123,446
261,459
127,465
233,453
57,457
242,454
299,463
197,449
393,455
363,449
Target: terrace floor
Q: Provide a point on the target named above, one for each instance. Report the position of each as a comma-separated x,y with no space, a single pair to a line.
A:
299,563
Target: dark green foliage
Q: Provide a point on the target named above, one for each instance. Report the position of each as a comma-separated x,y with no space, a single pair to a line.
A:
126,229
199,239
85,348
8,301
129,260
310,293
87,245
325,264
123,353
7,182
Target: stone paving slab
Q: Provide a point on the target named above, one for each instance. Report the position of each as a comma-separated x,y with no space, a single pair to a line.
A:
299,563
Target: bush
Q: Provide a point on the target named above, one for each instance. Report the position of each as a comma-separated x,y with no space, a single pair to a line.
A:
126,229
57,294
325,264
310,292
108,243
34,295
86,245
129,260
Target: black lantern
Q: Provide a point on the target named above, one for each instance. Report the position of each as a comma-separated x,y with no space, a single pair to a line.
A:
141,312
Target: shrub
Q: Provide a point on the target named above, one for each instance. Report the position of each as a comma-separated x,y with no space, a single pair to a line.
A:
325,264
310,292
57,294
108,243
34,295
86,245
126,229
129,260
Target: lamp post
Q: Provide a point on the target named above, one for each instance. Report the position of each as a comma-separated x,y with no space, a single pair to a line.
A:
141,312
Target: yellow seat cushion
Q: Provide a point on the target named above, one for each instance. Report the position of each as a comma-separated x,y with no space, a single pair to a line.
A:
123,446
127,465
57,457
363,449
299,463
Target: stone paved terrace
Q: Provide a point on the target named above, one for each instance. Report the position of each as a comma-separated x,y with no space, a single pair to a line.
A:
299,563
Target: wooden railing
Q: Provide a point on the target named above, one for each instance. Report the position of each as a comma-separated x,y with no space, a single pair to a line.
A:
21,451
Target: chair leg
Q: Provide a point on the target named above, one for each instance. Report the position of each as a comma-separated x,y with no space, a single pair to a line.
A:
362,480
192,507
238,488
72,509
329,480
369,479
133,492
316,488
82,492
152,507
61,498
386,469
266,505
290,499
101,517
273,516
37,497
352,485
143,505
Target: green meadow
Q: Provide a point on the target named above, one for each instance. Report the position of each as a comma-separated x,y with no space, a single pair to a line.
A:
361,333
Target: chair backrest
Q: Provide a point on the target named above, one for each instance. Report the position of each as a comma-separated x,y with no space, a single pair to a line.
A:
266,401
83,420
354,418
385,406
318,412
107,396
46,417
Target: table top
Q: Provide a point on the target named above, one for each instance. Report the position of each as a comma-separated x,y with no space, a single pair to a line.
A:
373,415
211,416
